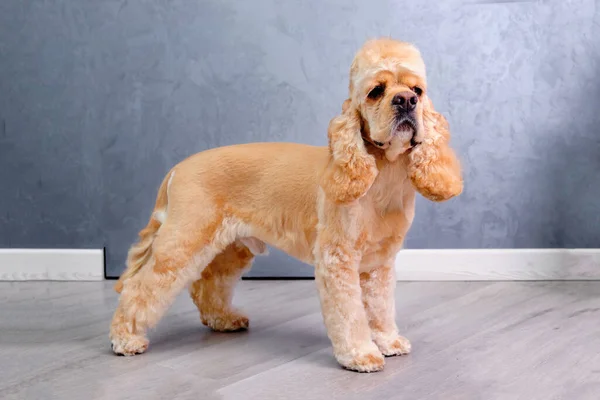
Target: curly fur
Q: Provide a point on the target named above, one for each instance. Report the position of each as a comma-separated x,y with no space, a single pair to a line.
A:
344,208
434,168
352,170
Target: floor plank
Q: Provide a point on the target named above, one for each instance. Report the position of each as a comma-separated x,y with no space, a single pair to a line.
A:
471,340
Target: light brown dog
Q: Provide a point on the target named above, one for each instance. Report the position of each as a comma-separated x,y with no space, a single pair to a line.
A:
345,209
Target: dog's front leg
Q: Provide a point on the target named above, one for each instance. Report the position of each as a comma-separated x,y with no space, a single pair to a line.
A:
378,286
345,319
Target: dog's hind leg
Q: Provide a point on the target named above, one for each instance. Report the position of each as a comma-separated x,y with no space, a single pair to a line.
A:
179,252
213,292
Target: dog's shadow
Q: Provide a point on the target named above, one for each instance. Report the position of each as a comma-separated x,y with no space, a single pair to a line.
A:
270,340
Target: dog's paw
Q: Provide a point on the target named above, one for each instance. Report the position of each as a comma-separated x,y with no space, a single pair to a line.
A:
395,345
228,322
129,345
368,360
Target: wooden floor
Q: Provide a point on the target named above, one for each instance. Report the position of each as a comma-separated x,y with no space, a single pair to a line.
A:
471,340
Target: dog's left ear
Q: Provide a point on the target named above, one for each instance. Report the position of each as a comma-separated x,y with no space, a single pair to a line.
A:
346,105
351,169
434,168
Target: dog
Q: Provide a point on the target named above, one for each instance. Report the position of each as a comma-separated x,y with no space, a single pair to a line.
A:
345,208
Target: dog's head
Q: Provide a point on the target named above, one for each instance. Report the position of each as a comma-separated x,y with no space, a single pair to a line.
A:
387,112
388,89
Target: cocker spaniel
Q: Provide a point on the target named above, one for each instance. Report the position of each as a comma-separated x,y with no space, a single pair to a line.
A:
344,208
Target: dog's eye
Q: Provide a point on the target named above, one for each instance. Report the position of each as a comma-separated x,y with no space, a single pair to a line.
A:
376,92
418,91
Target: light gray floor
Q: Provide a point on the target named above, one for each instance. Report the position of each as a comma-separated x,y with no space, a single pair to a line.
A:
471,340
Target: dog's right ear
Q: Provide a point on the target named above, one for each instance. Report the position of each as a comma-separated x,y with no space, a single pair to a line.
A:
351,169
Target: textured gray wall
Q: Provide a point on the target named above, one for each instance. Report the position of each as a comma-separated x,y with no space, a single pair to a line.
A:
98,99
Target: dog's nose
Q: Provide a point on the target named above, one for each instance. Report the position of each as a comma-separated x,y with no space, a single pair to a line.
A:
405,100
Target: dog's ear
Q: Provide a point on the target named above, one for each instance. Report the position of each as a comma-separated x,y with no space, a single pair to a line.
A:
346,105
351,169
434,168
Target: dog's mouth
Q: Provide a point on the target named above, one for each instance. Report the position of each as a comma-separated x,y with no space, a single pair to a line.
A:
404,129
413,142
407,128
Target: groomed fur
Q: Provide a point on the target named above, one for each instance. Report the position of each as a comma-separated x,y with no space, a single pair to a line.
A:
345,208
352,170
140,253
434,168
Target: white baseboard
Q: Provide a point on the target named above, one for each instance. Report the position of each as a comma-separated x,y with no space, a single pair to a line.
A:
411,265
498,265
51,264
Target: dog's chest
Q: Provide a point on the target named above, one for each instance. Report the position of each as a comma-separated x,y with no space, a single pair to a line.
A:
382,225
387,213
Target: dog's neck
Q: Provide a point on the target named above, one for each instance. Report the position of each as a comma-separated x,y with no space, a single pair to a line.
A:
380,157
377,151
369,142
371,147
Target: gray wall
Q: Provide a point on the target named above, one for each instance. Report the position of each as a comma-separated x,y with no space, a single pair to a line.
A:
98,99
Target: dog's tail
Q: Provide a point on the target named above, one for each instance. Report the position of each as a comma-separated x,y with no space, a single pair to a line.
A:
140,253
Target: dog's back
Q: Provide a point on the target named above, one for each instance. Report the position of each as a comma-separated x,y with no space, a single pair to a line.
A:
269,186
